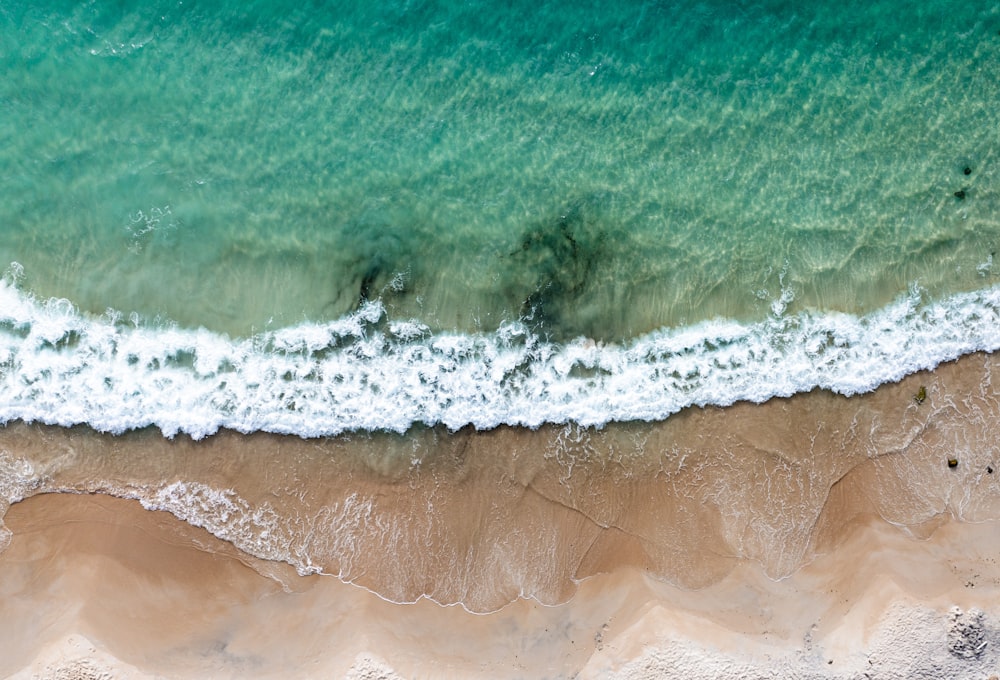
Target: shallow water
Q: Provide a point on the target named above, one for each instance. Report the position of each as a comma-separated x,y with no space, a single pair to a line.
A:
598,170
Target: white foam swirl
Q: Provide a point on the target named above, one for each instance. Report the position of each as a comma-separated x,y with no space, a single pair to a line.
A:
364,372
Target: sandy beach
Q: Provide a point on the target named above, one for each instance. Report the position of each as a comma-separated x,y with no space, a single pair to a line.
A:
97,587
816,536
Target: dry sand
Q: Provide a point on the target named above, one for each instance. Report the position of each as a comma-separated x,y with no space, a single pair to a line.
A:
815,536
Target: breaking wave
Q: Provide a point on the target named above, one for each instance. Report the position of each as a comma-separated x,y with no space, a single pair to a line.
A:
369,372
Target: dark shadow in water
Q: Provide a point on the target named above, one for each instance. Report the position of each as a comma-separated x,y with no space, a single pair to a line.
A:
376,260
550,273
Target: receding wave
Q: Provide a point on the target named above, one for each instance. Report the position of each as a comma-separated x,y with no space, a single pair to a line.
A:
369,372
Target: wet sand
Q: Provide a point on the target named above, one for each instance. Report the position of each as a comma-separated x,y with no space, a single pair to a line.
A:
95,587
748,540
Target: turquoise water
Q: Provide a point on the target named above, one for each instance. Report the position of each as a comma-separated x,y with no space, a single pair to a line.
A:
594,169
328,220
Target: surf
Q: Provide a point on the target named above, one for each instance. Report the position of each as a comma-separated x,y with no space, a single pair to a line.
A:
369,372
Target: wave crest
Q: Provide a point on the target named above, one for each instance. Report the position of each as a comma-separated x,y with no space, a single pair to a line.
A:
366,372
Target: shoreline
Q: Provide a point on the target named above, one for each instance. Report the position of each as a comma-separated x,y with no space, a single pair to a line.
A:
97,584
483,517
780,536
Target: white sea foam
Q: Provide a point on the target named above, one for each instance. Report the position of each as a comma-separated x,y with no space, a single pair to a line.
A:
365,372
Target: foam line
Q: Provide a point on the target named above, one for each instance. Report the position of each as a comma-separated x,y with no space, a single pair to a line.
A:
367,372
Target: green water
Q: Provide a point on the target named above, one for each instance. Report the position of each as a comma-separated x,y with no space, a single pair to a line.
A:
600,169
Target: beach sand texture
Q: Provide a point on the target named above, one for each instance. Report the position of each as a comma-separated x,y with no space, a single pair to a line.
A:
879,560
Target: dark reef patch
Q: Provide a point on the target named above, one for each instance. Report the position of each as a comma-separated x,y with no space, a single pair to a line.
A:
376,259
553,268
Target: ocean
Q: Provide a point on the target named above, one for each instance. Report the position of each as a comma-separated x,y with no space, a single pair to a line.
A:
383,228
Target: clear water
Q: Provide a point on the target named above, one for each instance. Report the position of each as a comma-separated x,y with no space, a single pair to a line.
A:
596,169
318,218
